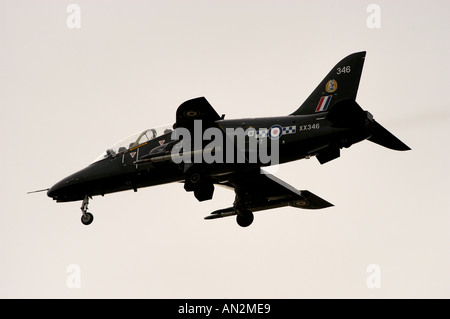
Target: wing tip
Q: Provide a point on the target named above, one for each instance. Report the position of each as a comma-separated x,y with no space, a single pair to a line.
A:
314,201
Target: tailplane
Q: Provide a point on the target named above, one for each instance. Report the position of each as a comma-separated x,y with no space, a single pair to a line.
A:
383,137
341,83
348,114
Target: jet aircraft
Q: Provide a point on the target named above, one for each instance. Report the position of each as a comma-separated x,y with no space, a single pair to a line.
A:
186,152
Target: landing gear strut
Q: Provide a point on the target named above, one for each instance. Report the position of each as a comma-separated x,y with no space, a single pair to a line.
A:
244,216
87,218
200,184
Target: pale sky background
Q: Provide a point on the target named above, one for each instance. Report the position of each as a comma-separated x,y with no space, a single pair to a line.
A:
68,94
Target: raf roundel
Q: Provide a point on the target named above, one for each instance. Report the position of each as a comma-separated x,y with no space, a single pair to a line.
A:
275,131
191,113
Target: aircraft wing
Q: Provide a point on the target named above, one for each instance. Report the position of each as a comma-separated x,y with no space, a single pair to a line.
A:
200,109
196,109
266,191
262,190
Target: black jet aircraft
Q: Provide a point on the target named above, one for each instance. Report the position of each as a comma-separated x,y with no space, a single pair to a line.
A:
186,152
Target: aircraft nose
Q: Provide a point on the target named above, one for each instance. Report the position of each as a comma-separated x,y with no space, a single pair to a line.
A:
53,191
59,191
68,189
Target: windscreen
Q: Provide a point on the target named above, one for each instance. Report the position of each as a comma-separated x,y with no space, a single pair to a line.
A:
135,140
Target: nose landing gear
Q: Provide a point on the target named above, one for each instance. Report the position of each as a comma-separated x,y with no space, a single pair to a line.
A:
87,218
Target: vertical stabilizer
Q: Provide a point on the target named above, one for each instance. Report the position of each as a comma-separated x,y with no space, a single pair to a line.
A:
340,83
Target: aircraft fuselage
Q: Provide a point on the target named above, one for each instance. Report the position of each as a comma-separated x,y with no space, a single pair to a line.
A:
300,137
202,149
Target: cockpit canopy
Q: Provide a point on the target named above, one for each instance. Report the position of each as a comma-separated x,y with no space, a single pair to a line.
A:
135,140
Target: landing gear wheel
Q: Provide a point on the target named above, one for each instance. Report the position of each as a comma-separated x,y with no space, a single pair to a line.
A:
87,218
245,218
194,178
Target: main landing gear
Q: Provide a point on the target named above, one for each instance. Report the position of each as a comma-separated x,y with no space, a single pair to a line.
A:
87,218
200,184
242,201
244,218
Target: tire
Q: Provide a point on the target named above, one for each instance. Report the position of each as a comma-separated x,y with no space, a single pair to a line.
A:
87,218
245,219
194,178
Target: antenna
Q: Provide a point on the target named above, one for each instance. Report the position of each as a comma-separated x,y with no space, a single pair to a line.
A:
41,190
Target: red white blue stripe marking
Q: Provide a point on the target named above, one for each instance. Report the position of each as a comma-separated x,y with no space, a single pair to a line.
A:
323,103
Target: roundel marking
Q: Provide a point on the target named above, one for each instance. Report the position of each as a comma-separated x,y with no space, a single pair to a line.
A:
275,131
299,203
191,113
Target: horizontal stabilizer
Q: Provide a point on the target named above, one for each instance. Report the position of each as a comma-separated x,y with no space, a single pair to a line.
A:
385,138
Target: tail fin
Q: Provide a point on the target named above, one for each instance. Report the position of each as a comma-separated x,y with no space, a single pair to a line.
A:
341,83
